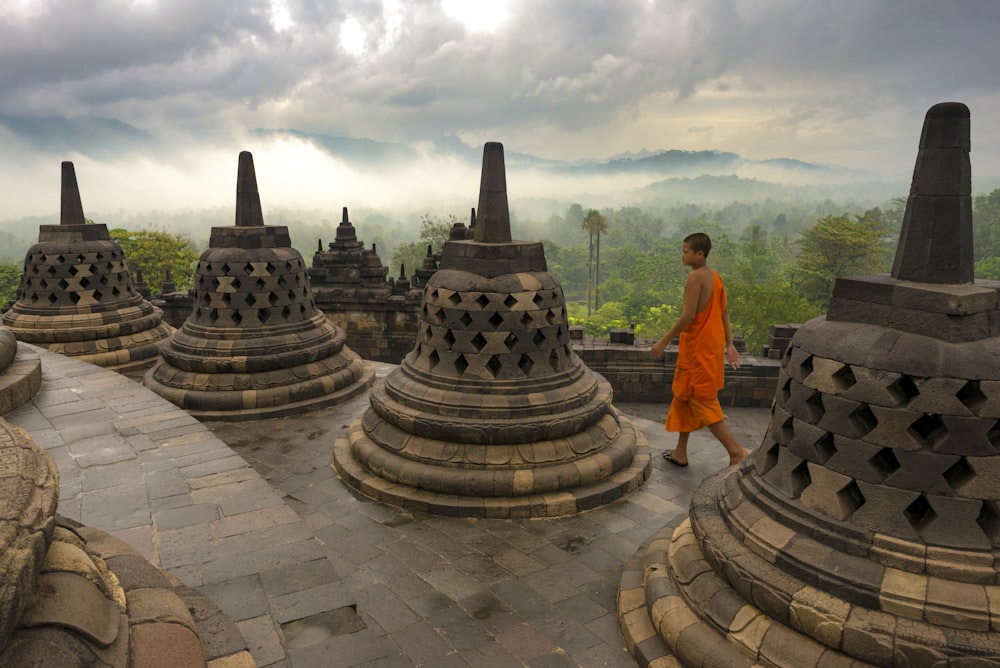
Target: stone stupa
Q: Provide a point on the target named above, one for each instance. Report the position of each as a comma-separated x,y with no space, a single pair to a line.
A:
77,296
866,528
492,414
255,345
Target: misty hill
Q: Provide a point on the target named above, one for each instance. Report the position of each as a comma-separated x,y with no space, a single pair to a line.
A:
107,138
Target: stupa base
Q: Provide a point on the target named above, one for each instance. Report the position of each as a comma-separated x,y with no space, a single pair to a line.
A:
554,504
21,380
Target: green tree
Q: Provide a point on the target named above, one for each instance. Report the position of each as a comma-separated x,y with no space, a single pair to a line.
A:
433,232
594,223
10,281
986,232
155,252
843,245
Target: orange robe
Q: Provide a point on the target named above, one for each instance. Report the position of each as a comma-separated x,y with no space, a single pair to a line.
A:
700,367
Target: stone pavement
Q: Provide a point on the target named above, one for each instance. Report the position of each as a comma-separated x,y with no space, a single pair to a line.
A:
314,576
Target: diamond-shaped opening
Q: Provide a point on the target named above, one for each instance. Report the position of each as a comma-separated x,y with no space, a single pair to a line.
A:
272,299
884,463
494,365
248,268
263,315
863,420
42,259
919,513
799,479
61,259
227,297
425,334
929,430
538,338
282,283
85,282
269,268
288,266
786,391
80,258
433,295
959,474
225,268
495,320
904,390
989,521
465,319
483,301
526,320
525,364
115,292
205,298
538,299
99,256
844,379
214,315
260,283
994,435
43,284
286,312
303,309
74,297
787,431
510,301
63,284
806,366
51,271
237,318
449,338
972,396
478,341
455,299
197,312
849,499
825,447
73,271
769,460
552,317
554,360
97,295
814,407
52,298
510,341
236,283
291,295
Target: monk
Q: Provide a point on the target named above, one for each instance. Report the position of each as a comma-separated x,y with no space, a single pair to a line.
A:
706,343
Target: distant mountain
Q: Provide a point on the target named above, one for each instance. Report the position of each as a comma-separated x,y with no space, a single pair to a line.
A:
89,135
108,138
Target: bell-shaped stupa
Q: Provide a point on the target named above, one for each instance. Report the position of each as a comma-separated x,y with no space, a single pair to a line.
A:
77,296
492,414
866,528
255,345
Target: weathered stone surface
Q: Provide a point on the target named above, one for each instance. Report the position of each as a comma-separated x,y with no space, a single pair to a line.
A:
255,345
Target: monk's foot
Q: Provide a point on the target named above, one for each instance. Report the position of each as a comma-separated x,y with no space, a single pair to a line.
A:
669,456
739,457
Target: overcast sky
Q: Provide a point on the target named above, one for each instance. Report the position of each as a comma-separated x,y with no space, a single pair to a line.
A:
842,82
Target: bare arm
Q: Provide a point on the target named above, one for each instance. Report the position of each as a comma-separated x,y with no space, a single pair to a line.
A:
692,292
732,355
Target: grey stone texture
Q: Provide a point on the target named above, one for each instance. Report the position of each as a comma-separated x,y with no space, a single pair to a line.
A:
77,295
859,531
255,345
492,414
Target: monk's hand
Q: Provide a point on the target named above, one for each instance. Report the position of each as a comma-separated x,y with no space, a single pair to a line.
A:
733,356
657,350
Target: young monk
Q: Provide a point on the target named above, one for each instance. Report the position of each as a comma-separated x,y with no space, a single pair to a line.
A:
706,342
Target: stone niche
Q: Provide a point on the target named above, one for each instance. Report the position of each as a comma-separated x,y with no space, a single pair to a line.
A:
865,530
255,345
491,413
77,295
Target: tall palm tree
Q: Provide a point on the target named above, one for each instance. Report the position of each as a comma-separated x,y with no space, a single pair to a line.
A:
594,223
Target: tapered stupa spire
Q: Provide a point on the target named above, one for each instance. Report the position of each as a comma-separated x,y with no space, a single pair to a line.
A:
248,211
493,226
935,244
71,212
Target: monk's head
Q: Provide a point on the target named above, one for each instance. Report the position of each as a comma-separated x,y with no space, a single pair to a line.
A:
696,248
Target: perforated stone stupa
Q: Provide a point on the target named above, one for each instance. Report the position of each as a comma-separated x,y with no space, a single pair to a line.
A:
77,296
867,525
255,345
492,414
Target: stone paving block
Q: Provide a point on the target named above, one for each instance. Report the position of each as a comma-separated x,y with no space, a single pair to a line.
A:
185,516
263,639
307,602
121,507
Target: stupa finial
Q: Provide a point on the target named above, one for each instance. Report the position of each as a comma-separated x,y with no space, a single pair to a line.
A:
248,211
493,221
71,212
935,243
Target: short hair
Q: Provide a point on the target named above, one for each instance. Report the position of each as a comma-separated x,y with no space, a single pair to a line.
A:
699,241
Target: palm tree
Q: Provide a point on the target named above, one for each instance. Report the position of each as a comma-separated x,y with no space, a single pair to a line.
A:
594,223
